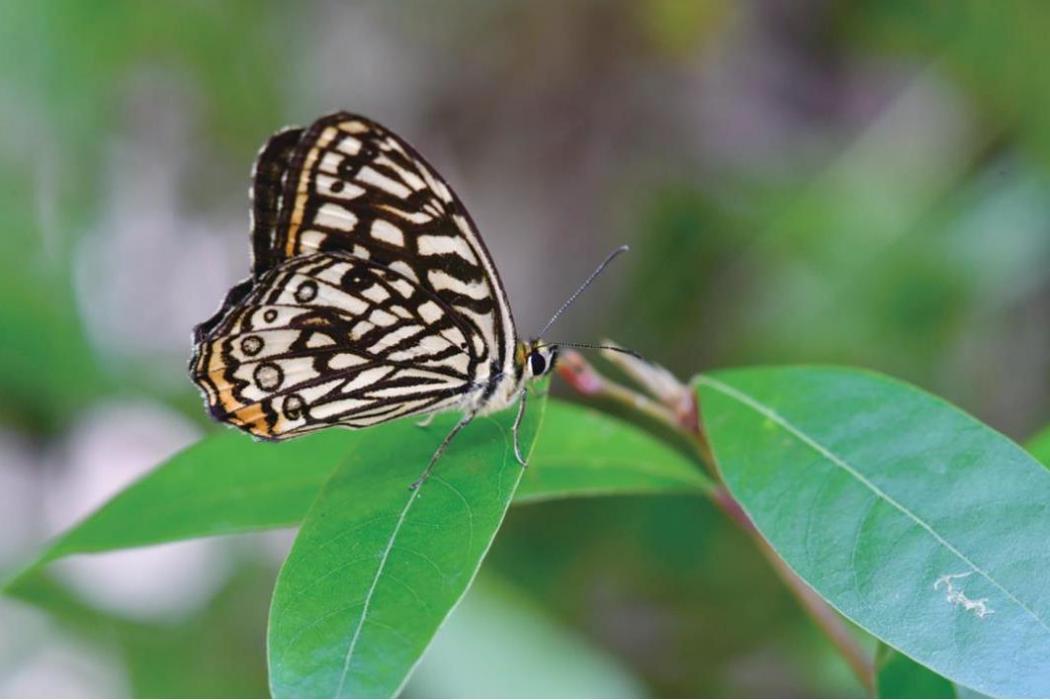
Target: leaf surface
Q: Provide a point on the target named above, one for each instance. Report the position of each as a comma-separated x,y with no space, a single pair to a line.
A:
377,567
915,520
225,483
582,452
228,483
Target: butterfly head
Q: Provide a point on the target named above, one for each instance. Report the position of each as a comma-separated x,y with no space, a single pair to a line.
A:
537,357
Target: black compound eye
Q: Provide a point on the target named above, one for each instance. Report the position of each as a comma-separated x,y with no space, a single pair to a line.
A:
537,363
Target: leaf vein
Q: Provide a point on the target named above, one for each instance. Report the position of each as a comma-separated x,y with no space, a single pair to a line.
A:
466,504
852,471
371,591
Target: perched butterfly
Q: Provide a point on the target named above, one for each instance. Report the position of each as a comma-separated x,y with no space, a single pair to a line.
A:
372,296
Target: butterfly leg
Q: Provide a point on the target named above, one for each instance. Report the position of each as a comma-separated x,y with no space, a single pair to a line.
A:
426,421
467,417
517,424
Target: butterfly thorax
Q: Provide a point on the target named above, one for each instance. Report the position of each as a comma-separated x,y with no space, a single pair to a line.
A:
531,361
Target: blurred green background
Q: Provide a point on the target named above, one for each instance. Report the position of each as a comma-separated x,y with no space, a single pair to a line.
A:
809,181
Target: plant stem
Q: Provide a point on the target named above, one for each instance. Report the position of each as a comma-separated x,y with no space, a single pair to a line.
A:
678,411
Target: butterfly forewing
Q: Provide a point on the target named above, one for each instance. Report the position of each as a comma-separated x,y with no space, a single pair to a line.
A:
356,187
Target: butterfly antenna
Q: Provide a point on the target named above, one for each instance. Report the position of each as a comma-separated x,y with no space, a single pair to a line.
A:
588,346
586,283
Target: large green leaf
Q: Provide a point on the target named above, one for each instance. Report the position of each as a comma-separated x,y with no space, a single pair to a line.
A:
377,567
915,520
224,484
582,452
228,483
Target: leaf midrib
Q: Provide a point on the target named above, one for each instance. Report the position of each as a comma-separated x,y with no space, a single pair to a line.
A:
772,415
372,590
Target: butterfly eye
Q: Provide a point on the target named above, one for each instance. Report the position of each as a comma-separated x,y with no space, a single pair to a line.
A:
537,363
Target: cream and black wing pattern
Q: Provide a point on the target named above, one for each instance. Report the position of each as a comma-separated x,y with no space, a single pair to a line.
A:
371,297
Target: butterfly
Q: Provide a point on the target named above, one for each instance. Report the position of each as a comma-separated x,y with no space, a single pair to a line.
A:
372,296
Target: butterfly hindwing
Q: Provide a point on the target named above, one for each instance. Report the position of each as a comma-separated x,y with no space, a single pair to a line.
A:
329,339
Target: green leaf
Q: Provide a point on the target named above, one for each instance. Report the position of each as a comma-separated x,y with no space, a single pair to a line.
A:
1039,446
582,452
915,520
224,484
897,676
228,483
378,567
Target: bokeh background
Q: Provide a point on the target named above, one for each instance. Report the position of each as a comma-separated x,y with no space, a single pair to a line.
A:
807,181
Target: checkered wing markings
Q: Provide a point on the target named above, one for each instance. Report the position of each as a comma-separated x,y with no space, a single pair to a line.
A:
328,339
351,185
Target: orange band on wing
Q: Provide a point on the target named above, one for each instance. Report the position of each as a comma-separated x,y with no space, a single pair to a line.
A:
302,190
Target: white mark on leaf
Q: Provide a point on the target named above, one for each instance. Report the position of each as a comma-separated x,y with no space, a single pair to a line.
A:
956,596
